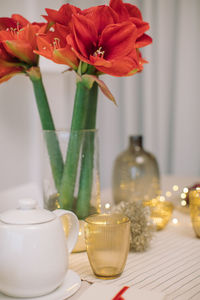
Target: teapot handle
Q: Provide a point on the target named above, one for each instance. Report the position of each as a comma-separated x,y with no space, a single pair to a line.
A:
73,227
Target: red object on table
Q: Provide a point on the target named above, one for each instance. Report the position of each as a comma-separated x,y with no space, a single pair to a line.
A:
121,292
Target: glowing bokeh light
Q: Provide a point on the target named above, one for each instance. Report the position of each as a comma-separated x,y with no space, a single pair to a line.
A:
175,188
107,205
175,221
183,195
168,194
183,203
162,198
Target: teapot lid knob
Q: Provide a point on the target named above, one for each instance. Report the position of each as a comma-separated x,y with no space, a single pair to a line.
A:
27,203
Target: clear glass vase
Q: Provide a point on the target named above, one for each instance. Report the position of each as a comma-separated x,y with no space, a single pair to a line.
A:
71,171
71,175
135,174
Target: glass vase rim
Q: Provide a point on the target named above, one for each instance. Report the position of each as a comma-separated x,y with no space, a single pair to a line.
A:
124,219
70,130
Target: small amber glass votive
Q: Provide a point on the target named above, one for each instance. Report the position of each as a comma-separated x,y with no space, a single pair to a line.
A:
160,212
107,239
194,204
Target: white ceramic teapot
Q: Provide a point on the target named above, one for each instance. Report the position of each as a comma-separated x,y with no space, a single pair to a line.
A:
34,250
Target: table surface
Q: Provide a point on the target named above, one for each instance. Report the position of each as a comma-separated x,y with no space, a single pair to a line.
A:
171,265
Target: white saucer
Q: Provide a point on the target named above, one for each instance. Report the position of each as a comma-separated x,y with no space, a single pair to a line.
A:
70,285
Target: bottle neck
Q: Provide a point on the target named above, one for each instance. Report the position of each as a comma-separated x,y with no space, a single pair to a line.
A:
135,143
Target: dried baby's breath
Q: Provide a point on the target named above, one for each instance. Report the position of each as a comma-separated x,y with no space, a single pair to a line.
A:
141,226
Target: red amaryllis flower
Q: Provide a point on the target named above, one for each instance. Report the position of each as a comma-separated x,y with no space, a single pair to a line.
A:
17,42
53,45
127,11
109,47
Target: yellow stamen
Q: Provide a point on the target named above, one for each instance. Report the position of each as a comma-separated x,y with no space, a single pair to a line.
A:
14,31
56,43
99,52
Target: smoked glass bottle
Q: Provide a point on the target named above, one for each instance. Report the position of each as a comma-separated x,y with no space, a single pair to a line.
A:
135,174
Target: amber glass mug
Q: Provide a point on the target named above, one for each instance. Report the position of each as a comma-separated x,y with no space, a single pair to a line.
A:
107,239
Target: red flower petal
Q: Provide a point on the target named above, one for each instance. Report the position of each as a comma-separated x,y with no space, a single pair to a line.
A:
7,73
102,16
71,41
7,23
21,20
120,66
141,25
60,53
133,10
20,49
62,30
66,56
28,34
118,39
85,34
44,47
3,53
63,15
125,10
6,35
4,56
48,42
137,56
143,41
99,61
120,8
54,16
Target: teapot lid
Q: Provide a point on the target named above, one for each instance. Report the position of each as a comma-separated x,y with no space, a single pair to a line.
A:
27,214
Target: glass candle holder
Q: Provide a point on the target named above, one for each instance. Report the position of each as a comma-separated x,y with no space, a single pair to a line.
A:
160,212
107,239
194,204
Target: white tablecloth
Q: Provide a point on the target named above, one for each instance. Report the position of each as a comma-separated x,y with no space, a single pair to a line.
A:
171,265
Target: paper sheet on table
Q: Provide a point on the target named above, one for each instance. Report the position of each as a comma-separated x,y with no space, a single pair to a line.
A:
170,266
99,291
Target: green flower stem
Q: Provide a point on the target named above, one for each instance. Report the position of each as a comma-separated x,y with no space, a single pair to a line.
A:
81,105
86,175
47,124
92,109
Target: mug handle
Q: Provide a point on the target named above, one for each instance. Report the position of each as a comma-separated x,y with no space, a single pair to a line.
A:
73,227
